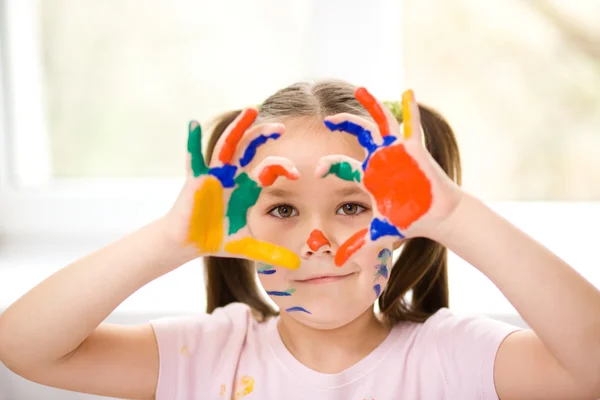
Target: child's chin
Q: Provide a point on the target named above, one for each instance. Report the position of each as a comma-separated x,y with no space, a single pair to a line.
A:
329,316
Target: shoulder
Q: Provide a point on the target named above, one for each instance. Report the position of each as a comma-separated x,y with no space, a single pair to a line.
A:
205,346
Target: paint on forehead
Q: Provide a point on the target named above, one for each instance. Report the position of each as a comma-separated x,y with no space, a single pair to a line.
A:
343,170
316,240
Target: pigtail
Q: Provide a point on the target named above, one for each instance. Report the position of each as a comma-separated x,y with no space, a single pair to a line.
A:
231,280
422,268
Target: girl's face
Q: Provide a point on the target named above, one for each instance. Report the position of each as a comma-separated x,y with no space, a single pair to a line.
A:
313,216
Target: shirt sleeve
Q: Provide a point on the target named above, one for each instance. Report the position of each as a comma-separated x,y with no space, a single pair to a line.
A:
467,347
199,352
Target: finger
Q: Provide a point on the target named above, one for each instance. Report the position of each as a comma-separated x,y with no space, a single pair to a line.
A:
257,139
374,108
267,172
411,117
344,167
264,252
350,246
194,145
234,132
366,131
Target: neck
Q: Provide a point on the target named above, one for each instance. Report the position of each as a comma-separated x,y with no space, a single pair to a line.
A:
332,350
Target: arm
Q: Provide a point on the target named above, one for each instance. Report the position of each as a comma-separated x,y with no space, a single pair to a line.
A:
561,357
51,334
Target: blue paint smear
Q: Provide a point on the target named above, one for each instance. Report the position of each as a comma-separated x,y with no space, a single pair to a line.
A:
224,174
253,146
266,271
380,228
276,293
377,289
365,138
297,309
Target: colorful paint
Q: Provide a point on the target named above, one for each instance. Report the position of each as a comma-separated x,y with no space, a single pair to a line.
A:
242,198
370,103
271,172
380,228
344,170
408,98
377,289
250,152
381,268
206,223
297,308
349,247
316,240
281,293
249,247
195,149
266,270
401,189
233,138
244,387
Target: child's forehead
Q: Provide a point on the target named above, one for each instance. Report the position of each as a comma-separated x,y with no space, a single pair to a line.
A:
306,140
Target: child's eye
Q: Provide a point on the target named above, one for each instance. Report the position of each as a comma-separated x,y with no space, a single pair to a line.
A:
350,209
283,211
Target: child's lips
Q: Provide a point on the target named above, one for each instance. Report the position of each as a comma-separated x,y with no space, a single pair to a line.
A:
325,278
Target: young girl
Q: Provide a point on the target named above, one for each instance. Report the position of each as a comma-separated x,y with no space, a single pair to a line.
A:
317,188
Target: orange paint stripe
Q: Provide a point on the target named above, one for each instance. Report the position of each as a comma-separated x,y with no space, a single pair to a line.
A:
350,247
372,106
316,240
234,137
270,173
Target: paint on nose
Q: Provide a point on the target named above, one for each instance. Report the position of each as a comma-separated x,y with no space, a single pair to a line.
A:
316,240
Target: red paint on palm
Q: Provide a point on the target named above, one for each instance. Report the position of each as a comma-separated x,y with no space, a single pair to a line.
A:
270,173
371,104
401,189
228,151
350,247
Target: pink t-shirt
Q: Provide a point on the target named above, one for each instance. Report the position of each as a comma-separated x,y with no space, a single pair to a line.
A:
228,355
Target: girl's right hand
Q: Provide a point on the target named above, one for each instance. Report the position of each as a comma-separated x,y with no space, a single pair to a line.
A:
209,215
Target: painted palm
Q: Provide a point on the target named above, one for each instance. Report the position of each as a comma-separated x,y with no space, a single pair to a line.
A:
399,174
223,193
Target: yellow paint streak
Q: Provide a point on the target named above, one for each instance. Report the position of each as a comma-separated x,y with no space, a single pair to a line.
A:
244,387
408,98
184,350
267,253
206,225
223,390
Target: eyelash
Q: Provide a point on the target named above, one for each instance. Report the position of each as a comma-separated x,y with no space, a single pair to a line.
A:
362,208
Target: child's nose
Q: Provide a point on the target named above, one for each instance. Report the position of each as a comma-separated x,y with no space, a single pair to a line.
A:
316,244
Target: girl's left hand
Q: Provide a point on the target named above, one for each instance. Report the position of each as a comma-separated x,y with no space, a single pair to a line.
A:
411,194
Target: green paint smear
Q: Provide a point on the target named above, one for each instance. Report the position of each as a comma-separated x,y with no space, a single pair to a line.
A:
243,197
265,267
195,149
290,291
344,171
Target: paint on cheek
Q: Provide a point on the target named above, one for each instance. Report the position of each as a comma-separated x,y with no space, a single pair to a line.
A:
316,240
250,152
377,289
269,253
297,308
343,170
206,223
242,198
270,173
350,247
278,293
400,188
266,270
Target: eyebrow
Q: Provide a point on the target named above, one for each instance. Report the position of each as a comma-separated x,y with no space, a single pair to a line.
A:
349,191
278,193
